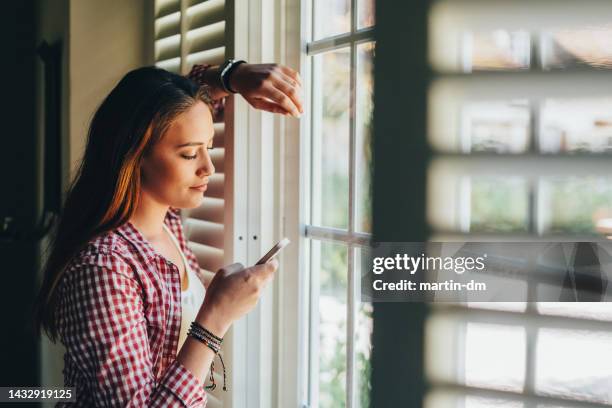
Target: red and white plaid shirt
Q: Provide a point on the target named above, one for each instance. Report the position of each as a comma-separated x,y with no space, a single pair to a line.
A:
119,318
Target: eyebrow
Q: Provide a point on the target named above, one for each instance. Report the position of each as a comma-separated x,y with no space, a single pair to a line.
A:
190,144
195,143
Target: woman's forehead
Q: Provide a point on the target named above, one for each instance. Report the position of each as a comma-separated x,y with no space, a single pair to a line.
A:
195,124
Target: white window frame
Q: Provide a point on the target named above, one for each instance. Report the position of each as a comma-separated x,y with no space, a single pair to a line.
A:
296,305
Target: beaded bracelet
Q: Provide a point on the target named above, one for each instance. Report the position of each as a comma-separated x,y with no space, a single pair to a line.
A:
214,343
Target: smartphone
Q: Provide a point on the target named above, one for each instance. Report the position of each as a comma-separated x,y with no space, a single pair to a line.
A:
274,251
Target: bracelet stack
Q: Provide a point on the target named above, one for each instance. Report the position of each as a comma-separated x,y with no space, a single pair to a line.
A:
213,342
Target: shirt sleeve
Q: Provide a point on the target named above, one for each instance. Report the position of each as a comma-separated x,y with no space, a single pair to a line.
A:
104,330
196,74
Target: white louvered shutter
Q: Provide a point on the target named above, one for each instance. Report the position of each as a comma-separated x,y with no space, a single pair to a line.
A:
520,122
189,32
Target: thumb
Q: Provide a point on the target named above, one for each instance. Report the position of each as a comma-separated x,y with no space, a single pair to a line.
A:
266,270
233,268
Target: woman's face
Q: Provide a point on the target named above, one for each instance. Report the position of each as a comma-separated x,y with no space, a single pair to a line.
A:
180,160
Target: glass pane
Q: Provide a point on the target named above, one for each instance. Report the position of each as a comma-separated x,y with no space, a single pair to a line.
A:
576,204
495,356
364,107
574,364
331,17
332,271
366,15
590,46
496,126
499,205
496,50
363,337
330,106
576,125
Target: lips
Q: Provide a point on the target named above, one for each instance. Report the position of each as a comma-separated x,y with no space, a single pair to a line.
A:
201,187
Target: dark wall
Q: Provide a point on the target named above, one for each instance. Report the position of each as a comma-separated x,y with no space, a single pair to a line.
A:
19,198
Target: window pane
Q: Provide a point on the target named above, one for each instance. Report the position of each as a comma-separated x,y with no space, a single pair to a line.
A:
364,110
331,139
499,205
574,364
495,356
576,204
365,13
496,126
332,271
363,337
576,125
331,17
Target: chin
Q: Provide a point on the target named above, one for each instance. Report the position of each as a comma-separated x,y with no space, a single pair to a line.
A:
193,203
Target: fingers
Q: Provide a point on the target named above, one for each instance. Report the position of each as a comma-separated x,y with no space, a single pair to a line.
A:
290,88
266,271
291,73
268,106
280,98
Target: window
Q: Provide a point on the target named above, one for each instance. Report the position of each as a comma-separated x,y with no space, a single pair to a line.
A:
519,120
339,55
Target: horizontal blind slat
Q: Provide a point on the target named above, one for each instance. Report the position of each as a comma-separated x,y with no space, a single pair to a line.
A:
166,7
212,209
172,65
205,232
473,15
219,139
209,258
215,56
206,13
216,186
169,47
168,26
217,156
206,38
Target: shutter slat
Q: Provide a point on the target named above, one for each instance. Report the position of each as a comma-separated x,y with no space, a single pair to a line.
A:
214,57
205,232
165,7
216,186
206,38
167,26
219,140
212,209
209,258
458,15
169,47
206,13
172,65
217,156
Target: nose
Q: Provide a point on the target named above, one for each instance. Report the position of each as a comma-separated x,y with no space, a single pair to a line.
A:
206,168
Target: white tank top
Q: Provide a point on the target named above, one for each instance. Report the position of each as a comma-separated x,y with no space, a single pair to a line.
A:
191,298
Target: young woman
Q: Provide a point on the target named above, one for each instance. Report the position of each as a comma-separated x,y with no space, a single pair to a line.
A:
122,290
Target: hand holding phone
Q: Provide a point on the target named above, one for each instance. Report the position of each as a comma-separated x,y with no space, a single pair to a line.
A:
274,251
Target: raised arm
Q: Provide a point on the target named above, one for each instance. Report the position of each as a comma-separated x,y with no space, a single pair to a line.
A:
270,87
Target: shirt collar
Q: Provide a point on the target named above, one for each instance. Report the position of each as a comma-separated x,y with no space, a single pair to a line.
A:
131,234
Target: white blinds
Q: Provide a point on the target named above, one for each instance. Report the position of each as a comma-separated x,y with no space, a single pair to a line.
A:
189,32
520,120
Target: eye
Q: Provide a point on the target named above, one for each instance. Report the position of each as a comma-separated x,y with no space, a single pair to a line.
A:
210,147
189,157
